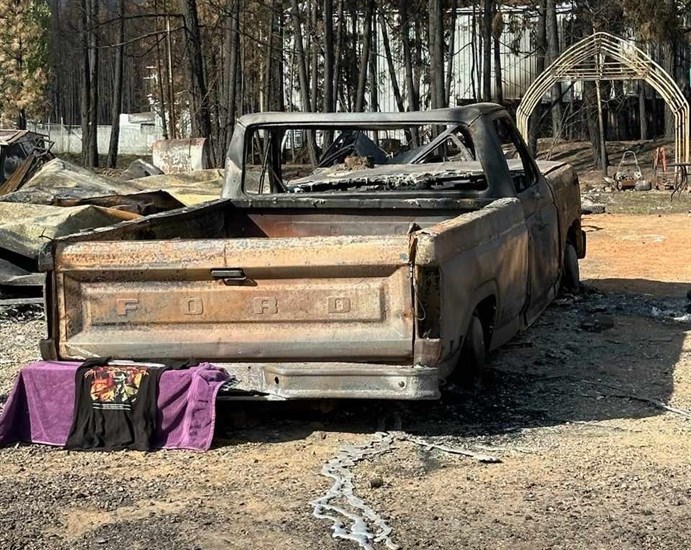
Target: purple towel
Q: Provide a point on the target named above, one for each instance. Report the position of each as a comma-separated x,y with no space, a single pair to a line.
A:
40,406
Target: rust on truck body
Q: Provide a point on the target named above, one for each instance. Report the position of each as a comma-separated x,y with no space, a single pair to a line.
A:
343,284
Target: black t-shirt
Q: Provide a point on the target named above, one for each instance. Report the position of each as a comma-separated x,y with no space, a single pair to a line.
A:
115,406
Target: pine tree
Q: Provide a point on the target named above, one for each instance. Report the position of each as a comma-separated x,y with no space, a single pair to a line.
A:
24,76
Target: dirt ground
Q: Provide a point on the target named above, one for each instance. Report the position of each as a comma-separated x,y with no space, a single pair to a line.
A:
573,408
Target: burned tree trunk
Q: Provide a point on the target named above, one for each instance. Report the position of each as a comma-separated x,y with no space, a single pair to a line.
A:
552,31
338,55
313,48
92,152
171,90
329,60
231,42
201,117
436,41
274,67
86,81
116,106
161,91
540,53
390,64
669,66
595,128
328,55
497,29
642,111
302,77
373,72
474,70
487,51
452,47
413,97
364,57
89,96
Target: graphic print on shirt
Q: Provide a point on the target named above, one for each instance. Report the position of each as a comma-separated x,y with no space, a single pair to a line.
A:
115,388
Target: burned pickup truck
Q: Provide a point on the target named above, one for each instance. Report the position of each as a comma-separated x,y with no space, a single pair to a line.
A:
415,244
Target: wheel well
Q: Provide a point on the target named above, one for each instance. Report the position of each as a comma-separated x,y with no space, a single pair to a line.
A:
576,237
486,311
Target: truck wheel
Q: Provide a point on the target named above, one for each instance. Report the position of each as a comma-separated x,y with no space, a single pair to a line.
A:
473,353
571,277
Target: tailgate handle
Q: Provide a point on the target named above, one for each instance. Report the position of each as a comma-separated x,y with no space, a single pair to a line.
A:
229,276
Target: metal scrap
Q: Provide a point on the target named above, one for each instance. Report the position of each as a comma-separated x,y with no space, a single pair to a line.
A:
21,154
629,174
26,228
143,203
174,156
60,178
15,276
62,198
139,168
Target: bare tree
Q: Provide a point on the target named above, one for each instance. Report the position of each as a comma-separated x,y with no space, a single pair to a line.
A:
411,86
452,47
86,81
540,57
89,95
487,50
642,111
328,55
552,33
302,76
338,54
171,88
390,63
116,106
669,38
364,57
201,116
231,45
373,72
273,89
436,41
313,48
497,29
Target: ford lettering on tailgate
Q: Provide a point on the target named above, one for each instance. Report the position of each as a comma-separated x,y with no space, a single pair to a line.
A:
283,302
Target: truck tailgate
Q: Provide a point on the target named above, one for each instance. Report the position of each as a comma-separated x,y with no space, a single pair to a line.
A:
308,298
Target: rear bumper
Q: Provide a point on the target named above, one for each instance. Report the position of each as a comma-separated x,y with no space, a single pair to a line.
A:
279,381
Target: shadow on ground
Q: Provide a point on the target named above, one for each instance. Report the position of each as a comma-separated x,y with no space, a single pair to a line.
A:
588,358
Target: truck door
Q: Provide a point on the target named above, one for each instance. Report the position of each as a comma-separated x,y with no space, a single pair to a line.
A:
541,219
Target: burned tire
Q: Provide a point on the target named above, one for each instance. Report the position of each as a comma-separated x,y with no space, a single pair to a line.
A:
473,353
571,277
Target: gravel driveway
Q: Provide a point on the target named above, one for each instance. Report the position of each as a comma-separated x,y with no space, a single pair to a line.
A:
572,408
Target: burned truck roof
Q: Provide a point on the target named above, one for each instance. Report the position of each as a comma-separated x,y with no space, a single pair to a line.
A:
371,120
280,153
